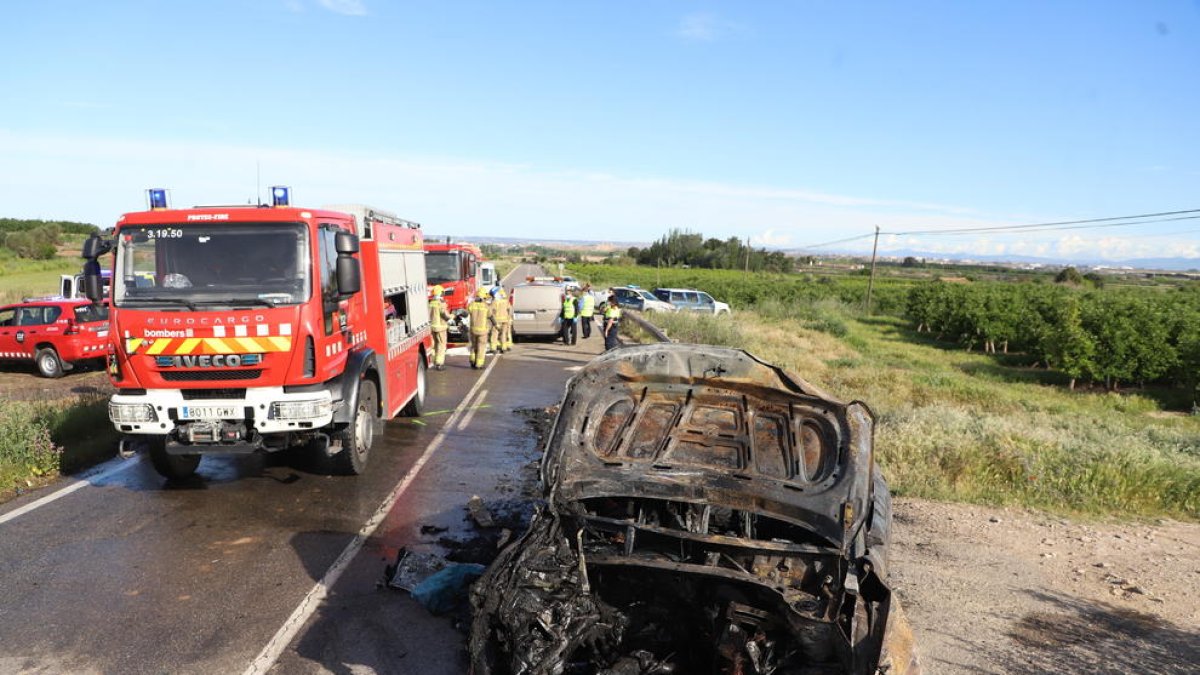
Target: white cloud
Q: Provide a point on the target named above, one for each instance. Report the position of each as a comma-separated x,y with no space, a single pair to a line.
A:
347,7
294,5
705,27
96,179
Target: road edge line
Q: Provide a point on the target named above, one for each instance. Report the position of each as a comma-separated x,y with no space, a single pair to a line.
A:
279,642
82,482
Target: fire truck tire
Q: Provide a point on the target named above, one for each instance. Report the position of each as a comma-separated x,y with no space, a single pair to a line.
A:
48,363
172,467
358,436
416,405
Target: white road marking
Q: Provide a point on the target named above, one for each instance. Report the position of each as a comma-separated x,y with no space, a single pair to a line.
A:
471,414
84,481
312,601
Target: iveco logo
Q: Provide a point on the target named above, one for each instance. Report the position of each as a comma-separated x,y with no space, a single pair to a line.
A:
208,361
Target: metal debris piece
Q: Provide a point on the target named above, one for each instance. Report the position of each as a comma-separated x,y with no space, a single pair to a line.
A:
479,512
413,568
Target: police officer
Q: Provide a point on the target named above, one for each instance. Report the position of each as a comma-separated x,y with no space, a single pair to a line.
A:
438,318
587,310
501,336
612,323
479,315
568,318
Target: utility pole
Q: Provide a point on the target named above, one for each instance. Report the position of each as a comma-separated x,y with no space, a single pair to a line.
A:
871,280
746,270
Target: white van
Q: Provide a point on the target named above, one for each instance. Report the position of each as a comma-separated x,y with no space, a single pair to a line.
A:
537,309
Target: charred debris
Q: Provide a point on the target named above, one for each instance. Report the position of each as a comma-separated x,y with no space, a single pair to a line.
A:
704,512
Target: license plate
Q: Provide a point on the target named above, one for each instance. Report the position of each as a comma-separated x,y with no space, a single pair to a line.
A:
208,412
524,316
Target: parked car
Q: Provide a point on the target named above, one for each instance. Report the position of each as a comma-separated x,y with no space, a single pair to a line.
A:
55,334
703,512
632,297
691,300
537,306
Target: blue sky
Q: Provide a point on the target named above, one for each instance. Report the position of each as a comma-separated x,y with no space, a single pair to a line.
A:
790,123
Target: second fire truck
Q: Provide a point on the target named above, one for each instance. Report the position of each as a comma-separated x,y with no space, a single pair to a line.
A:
239,329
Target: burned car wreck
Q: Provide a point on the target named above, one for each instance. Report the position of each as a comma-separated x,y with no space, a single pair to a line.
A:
704,513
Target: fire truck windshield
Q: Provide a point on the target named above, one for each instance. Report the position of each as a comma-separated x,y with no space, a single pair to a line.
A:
442,267
214,265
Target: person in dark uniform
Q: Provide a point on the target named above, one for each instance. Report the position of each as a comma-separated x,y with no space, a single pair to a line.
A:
612,324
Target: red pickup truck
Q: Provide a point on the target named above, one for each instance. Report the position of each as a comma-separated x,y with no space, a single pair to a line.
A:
54,334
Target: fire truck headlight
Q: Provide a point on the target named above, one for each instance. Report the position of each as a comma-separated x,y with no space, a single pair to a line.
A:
131,413
300,410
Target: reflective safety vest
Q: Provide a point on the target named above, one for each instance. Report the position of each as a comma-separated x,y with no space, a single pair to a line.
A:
589,306
437,319
478,311
612,312
568,311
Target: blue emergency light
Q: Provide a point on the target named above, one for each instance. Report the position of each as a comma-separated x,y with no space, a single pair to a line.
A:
280,195
158,198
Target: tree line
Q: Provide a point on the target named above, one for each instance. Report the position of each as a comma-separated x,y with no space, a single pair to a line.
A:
1110,337
38,239
680,248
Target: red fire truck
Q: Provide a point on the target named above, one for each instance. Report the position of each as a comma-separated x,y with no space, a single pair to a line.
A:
240,329
459,268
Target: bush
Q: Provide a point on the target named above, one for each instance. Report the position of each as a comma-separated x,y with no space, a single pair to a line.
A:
25,445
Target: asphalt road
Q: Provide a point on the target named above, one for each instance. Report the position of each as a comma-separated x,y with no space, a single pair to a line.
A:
263,565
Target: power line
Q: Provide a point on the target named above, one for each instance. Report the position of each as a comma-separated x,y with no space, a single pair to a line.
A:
1034,226
1043,228
839,241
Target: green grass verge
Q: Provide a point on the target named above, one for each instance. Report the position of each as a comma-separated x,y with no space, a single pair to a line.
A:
21,278
958,426
41,440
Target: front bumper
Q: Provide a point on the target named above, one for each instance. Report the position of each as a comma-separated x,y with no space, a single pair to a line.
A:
261,411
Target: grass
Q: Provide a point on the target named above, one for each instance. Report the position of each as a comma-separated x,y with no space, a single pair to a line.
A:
21,278
967,427
41,440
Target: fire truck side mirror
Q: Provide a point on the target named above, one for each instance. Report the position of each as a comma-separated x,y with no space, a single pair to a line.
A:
345,243
93,285
349,274
94,247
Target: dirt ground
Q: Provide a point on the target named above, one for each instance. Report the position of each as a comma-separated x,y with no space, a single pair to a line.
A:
20,382
991,590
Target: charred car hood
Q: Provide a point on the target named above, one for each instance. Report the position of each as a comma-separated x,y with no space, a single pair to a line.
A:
710,426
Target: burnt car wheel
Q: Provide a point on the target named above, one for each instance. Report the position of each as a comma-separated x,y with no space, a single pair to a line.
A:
48,363
358,436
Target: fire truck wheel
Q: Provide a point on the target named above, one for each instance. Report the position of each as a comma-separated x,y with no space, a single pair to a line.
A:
357,437
417,404
48,363
173,467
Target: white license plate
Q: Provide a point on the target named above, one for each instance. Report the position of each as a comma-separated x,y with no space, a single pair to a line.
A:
524,316
208,412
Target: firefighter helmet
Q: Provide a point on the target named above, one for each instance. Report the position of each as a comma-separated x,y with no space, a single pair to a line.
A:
482,294
438,290
500,292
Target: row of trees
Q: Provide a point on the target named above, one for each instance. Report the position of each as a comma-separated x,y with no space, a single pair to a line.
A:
1115,336
683,248
38,239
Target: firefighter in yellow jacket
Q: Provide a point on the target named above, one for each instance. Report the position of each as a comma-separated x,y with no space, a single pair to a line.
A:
501,335
438,318
480,317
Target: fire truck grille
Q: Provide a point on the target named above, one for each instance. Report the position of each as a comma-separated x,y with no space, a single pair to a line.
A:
201,375
198,394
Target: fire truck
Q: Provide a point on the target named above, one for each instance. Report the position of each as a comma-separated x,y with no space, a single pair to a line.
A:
238,329
459,268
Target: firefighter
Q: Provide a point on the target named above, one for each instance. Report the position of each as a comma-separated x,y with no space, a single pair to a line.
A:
612,323
568,318
587,310
478,313
438,318
501,335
